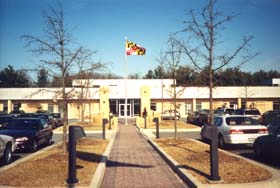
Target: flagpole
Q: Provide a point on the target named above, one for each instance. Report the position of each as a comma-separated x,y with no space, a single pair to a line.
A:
125,84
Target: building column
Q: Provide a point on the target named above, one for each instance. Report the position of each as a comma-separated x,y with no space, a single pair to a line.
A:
104,102
239,102
145,98
10,106
194,104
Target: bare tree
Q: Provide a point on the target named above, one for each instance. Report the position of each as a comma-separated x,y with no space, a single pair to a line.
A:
161,61
201,47
86,68
173,59
56,47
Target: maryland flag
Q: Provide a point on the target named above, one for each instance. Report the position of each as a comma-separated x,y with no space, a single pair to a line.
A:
132,48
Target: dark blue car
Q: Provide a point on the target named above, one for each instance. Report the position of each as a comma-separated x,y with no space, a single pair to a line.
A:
29,133
268,146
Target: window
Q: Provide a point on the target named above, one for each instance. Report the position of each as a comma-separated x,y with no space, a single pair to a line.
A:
218,121
50,108
243,104
113,106
198,106
233,105
136,107
188,108
153,106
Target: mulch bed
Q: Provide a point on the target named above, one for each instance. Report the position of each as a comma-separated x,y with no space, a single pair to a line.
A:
51,168
195,157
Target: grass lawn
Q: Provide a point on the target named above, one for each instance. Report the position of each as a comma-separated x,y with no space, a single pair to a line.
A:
195,157
50,168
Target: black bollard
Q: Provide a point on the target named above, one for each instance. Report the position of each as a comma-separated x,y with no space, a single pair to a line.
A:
214,161
145,122
110,121
157,126
75,132
104,121
145,116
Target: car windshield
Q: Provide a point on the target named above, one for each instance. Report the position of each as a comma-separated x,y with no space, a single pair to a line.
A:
229,111
252,112
232,121
22,124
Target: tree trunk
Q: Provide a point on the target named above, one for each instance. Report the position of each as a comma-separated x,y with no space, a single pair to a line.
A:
175,120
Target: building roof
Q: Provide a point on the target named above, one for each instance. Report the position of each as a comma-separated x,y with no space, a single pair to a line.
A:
117,91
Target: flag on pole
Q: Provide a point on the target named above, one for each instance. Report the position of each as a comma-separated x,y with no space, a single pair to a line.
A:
132,48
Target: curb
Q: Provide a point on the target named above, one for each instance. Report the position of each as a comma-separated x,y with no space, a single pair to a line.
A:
273,182
100,170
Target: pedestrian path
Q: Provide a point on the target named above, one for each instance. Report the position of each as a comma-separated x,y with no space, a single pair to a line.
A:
134,163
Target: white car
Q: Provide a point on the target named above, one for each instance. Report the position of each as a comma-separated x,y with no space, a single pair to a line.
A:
170,114
7,147
235,129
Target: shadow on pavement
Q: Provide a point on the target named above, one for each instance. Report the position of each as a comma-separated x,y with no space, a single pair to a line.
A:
91,157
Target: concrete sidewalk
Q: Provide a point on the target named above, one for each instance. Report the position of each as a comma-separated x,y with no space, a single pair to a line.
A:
134,163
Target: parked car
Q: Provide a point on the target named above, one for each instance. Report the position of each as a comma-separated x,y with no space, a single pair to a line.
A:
270,116
192,117
5,119
273,127
250,112
29,133
268,146
7,147
47,117
203,117
27,115
223,111
170,114
234,129
17,113
57,119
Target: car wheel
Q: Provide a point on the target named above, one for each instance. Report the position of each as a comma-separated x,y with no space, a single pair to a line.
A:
7,157
203,139
49,142
34,146
221,142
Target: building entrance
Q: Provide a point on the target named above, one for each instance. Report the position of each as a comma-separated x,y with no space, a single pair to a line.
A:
122,110
117,107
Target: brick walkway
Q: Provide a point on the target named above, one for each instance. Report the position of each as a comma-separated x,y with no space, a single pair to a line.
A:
134,163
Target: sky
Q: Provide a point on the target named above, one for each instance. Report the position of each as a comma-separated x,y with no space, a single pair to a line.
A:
102,25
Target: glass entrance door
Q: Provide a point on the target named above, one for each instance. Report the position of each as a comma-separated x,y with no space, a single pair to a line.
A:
122,110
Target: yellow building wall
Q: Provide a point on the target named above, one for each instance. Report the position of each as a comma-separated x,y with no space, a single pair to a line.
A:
217,104
104,102
205,105
73,110
1,107
262,106
145,98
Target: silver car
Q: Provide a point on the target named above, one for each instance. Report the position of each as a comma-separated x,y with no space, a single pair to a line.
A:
235,129
7,147
170,114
